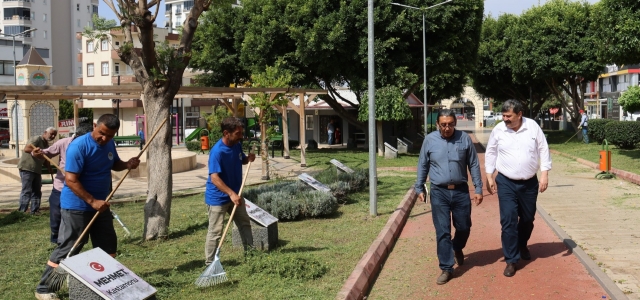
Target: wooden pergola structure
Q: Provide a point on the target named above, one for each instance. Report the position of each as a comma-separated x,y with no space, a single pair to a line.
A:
38,93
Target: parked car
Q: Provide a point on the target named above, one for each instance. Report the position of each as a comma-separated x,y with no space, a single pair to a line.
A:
459,116
4,134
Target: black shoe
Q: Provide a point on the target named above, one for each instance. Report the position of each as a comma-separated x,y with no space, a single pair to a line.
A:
444,277
458,257
525,253
510,270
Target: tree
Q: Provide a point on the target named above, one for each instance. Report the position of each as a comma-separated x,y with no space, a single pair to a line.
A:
493,76
159,69
273,77
324,43
554,43
66,111
617,23
390,106
630,99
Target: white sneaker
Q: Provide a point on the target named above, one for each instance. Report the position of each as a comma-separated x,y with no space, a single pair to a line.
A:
47,296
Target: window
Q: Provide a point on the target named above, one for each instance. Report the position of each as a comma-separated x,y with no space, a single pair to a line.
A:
77,7
90,70
16,30
79,72
95,9
78,22
6,67
105,68
44,34
90,46
116,69
79,42
44,17
178,21
104,45
88,8
188,5
33,16
192,115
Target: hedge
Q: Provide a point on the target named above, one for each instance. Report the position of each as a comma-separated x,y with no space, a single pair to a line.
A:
596,130
623,134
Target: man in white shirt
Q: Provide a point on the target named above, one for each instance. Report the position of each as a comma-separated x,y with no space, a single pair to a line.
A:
517,148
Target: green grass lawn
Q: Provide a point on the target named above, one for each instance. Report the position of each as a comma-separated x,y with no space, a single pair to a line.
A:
622,159
354,158
326,249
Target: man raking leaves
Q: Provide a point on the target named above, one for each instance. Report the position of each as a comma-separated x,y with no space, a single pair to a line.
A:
89,162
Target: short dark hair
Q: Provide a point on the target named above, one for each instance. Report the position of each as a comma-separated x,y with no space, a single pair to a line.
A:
446,113
231,124
109,120
83,128
514,105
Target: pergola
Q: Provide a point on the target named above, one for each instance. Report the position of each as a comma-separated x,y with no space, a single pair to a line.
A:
235,95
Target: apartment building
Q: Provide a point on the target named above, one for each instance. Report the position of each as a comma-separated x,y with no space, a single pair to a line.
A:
55,20
176,12
601,96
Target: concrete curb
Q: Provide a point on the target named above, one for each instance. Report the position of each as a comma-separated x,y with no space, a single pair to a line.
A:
607,284
367,269
628,176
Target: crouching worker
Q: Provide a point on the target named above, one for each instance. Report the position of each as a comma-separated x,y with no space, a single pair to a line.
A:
89,162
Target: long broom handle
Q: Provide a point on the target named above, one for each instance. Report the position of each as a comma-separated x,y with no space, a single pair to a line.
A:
233,212
86,229
49,160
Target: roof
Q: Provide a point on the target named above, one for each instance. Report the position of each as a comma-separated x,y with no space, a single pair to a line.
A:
32,58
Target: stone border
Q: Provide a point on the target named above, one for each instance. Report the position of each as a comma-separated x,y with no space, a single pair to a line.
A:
601,277
367,269
628,176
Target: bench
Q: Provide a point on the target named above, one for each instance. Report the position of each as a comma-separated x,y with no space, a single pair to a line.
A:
127,141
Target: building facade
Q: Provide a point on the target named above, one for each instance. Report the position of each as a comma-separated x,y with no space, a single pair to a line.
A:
55,20
601,96
176,12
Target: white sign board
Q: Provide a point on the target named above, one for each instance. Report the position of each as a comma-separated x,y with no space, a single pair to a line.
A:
106,276
341,166
306,178
258,214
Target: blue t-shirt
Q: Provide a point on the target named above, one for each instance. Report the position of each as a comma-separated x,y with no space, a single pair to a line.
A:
93,164
227,162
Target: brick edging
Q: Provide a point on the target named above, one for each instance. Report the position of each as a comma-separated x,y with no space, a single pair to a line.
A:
628,176
367,269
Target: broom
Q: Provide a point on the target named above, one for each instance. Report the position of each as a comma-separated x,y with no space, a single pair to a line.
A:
58,277
214,273
115,216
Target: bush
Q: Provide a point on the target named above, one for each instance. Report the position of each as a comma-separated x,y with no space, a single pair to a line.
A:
193,145
624,135
290,266
596,129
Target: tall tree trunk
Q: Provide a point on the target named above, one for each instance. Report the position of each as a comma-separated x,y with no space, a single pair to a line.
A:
157,209
380,140
264,151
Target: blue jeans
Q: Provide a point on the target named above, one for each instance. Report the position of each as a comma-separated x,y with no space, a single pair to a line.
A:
517,200
31,191
54,214
445,205
330,141
585,136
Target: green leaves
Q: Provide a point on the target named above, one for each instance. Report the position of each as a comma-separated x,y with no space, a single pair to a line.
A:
617,23
390,105
630,99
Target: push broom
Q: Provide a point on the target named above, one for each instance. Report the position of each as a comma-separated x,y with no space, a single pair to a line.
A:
214,273
57,278
113,213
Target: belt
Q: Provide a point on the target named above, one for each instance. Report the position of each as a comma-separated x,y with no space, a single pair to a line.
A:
451,186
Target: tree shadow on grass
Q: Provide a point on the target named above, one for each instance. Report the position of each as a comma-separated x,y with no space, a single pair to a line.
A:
185,267
189,230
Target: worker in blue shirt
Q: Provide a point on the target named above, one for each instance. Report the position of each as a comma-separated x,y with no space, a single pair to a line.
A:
445,156
141,135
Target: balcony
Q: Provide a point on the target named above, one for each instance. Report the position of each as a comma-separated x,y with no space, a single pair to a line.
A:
17,20
79,81
79,57
125,77
16,3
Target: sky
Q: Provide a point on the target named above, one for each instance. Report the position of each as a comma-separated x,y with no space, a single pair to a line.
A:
494,7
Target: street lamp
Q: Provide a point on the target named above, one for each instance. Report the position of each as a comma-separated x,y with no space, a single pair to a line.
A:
15,82
424,54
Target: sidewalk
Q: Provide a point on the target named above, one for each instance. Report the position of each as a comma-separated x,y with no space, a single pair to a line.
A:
588,210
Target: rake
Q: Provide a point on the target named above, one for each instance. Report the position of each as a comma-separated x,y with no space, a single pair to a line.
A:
214,273
58,277
572,136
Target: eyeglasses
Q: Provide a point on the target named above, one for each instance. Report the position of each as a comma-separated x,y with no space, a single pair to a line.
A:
450,125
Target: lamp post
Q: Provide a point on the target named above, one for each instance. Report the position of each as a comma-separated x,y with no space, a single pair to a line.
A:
15,82
424,53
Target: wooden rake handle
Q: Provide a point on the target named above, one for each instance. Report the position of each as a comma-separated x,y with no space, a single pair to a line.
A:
49,160
233,212
86,229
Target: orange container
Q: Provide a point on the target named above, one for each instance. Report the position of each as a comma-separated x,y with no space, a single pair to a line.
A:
204,142
605,160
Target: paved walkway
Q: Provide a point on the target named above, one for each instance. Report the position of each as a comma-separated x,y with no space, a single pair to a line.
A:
599,216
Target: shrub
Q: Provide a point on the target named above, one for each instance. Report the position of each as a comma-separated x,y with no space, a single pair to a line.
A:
596,129
339,190
193,145
624,135
290,266
317,203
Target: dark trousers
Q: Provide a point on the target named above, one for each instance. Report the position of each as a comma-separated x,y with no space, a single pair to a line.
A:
54,214
102,234
447,205
142,144
517,199
31,191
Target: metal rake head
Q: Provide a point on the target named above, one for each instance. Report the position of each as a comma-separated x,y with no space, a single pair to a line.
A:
212,275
